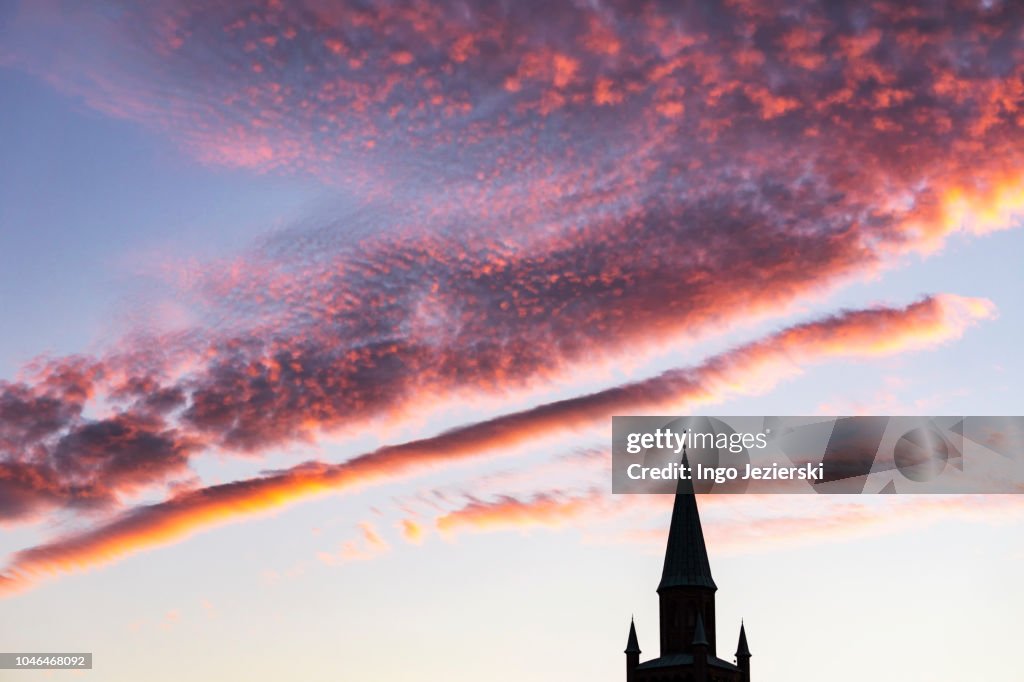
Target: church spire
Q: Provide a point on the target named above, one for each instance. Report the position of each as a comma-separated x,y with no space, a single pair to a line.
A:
743,655
686,556
742,650
632,653
632,645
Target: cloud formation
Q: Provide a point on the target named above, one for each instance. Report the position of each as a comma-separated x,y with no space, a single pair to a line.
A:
369,546
735,524
751,368
541,188
544,186
471,89
507,512
542,113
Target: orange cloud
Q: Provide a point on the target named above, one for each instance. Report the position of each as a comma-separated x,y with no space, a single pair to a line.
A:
734,524
750,368
412,531
370,546
545,509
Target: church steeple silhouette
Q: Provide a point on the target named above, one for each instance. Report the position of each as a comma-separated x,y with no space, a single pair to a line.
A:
632,652
687,607
743,653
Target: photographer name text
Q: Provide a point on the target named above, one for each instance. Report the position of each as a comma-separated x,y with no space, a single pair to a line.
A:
699,472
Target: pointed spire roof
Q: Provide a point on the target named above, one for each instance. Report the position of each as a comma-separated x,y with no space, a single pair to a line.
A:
632,645
742,649
699,636
686,556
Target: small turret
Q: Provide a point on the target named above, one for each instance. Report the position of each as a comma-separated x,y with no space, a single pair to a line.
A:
743,654
632,653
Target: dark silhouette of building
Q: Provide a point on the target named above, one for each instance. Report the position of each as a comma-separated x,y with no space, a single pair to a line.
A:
686,593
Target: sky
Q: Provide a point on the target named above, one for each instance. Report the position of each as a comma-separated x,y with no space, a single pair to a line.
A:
315,315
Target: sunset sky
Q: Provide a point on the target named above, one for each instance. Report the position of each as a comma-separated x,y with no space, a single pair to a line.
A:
315,315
